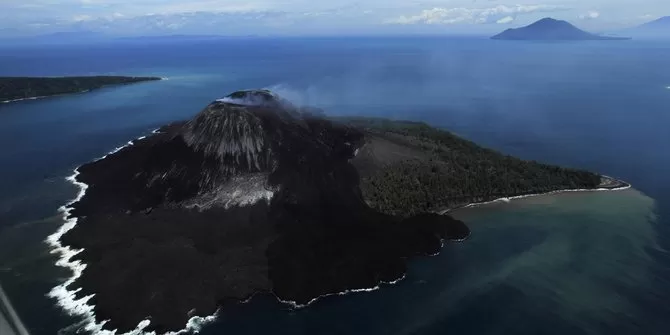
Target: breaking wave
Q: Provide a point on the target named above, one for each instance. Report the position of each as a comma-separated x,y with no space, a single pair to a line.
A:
66,296
359,290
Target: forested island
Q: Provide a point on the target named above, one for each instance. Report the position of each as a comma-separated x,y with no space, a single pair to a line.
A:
257,196
22,88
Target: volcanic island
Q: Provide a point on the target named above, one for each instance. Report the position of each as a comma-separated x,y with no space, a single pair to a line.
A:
255,195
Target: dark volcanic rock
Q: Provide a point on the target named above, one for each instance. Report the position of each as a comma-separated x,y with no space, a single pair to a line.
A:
255,195
252,196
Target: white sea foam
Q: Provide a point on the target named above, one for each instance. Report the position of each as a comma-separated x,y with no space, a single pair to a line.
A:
55,95
459,239
43,97
542,194
438,252
451,240
66,296
370,289
25,99
393,282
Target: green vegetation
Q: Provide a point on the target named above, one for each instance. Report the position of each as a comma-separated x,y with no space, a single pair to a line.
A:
15,88
450,172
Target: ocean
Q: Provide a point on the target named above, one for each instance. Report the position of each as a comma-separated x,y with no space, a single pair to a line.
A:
575,263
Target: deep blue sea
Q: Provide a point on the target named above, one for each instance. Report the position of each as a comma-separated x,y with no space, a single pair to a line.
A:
579,263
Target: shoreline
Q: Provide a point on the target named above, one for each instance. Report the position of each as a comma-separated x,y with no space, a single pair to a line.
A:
70,93
67,300
295,305
509,199
43,97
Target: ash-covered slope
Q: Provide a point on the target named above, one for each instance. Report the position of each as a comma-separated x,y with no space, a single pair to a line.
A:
253,195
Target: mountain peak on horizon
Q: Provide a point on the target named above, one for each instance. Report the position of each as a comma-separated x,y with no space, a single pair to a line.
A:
658,28
550,29
547,20
665,20
551,22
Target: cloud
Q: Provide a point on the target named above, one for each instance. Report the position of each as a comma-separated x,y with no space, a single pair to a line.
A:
505,20
473,15
80,18
590,15
309,17
213,6
153,17
187,23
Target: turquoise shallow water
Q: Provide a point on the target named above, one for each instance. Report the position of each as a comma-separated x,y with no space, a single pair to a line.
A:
586,255
574,263
579,263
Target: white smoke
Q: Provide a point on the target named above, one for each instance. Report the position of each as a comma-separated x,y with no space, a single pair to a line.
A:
255,98
505,20
298,97
590,15
248,101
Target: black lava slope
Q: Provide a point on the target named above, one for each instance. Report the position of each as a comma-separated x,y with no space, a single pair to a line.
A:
255,195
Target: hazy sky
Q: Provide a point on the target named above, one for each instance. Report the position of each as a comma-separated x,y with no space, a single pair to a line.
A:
310,17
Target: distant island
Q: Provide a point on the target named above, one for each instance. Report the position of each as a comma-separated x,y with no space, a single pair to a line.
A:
24,88
659,28
551,29
255,195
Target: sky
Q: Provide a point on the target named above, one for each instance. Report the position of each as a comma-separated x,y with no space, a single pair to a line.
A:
312,17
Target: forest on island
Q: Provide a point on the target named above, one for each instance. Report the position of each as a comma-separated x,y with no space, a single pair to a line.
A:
14,88
455,172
